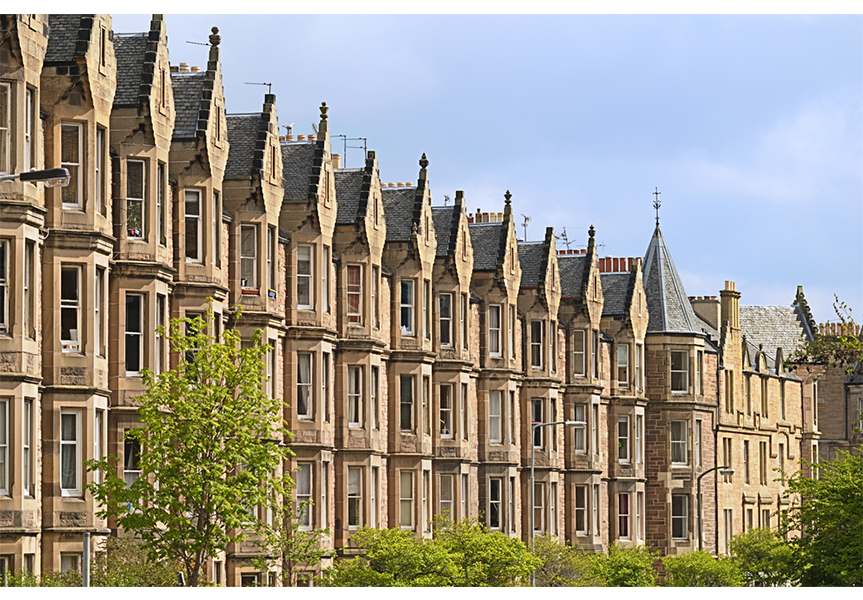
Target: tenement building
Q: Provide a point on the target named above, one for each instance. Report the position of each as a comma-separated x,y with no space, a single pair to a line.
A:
414,344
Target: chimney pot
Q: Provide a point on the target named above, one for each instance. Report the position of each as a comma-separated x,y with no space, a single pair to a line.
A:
289,138
175,69
195,69
311,137
391,184
301,138
400,184
409,184
281,138
184,67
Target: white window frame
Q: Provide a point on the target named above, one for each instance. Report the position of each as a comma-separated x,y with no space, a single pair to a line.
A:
215,234
579,368
99,166
376,317
98,436
29,296
271,368
426,514
373,391
355,498
639,516
624,454
355,396
326,266
160,203
579,433
249,256
99,312
136,234
552,345
354,292
682,372
594,509
639,370
494,325
406,500
161,305
305,383
446,495
495,417
679,436
639,439
306,273
465,411
623,366
407,300
325,386
4,286
5,128
426,311
373,500
552,509
70,561
536,345
445,319
696,443
406,409
511,511
594,429
465,496
192,221
4,448
76,185
30,127
464,316
447,424
624,513
74,446
511,325
594,353
27,462
271,258
71,345
134,337
325,488
538,508
536,411
580,510
494,502
304,494
680,516
131,461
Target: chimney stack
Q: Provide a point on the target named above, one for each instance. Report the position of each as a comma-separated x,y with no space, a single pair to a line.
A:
337,161
730,305
184,67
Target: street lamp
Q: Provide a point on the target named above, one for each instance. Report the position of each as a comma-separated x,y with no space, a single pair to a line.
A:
51,177
722,471
533,427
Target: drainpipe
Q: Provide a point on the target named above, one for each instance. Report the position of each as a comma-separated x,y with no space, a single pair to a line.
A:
719,368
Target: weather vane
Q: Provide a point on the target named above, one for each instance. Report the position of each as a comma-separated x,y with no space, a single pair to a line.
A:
656,204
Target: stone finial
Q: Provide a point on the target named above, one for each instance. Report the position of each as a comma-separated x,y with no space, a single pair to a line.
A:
215,39
324,109
591,232
424,162
414,229
507,197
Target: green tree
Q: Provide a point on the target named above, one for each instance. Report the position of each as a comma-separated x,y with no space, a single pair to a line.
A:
565,566
845,349
829,550
701,569
463,554
764,557
212,445
627,567
287,546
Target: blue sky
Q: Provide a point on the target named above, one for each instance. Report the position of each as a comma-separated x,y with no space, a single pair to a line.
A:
750,126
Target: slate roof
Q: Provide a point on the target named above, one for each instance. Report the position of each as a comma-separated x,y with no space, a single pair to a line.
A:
773,326
188,89
242,135
442,217
667,302
349,184
62,37
616,290
399,212
572,270
712,335
297,162
129,52
485,239
530,257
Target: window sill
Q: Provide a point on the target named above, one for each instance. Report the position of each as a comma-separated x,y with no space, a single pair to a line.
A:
354,426
250,291
134,374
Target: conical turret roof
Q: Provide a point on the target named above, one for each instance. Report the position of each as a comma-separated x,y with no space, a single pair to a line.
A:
667,301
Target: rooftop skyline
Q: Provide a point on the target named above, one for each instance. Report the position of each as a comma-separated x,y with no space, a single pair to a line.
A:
751,127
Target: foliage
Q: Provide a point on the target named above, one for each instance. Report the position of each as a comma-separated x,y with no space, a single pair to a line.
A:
844,350
830,518
463,554
21,578
212,442
565,566
287,546
627,567
701,569
123,562
764,557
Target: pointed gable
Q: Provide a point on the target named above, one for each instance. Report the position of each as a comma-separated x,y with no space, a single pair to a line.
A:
63,37
531,257
188,91
243,137
617,291
129,51
445,220
667,302
573,272
485,238
349,184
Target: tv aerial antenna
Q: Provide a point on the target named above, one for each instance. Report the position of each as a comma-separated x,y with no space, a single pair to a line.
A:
524,224
269,86
563,237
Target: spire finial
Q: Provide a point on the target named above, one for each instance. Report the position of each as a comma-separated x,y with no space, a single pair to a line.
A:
215,39
507,197
324,109
591,232
424,162
656,204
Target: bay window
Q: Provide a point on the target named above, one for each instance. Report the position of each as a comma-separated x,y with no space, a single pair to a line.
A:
445,302
305,273
355,498
679,516
679,371
494,418
355,405
494,495
406,500
193,226
304,496
134,334
355,293
131,461
578,434
249,257
679,443
406,401
623,439
304,385
536,331
446,427
623,366
71,144
494,330
578,353
623,516
407,307
537,418
4,446
4,286
581,509
70,453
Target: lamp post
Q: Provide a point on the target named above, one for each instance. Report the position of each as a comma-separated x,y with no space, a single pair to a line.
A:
51,177
533,427
723,471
